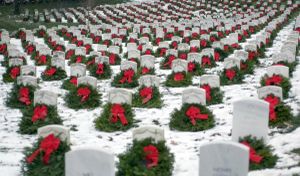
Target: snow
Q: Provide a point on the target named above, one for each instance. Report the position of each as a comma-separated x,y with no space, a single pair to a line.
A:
184,145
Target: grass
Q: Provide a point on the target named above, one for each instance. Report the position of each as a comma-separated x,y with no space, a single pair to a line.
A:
12,22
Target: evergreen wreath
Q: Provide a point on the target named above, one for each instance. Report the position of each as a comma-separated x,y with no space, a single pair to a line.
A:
11,74
213,95
184,79
77,59
70,83
126,84
53,74
133,161
101,71
105,123
182,122
281,81
228,79
18,99
154,102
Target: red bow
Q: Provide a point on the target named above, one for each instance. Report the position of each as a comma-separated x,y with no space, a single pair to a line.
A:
206,60
207,89
112,58
216,56
162,51
146,93
3,48
127,76
84,93
79,43
169,36
191,66
255,158
106,42
145,70
97,39
140,47
78,59
30,49
230,74
245,33
226,48
195,35
157,41
220,34
170,60
148,52
39,112
70,53
251,55
14,72
193,113
90,62
151,156
87,48
117,112
58,48
24,96
131,40
203,43
274,80
240,37
73,80
42,59
187,40
194,49
273,102
48,145
212,38
235,45
100,69
178,77
183,56
174,44
51,71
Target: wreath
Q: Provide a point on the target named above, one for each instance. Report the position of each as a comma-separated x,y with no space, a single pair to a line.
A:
77,59
69,54
83,97
146,157
21,96
147,97
192,117
180,79
126,79
247,67
53,73
11,74
261,156
146,71
38,116
277,80
70,83
114,59
208,62
160,52
46,156
101,71
231,76
166,63
195,68
221,54
213,95
115,117
41,59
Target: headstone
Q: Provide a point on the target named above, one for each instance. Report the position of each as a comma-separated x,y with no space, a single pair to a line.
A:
145,132
149,80
125,65
58,63
87,80
78,69
120,96
58,130
27,81
179,65
212,80
28,69
231,62
45,97
278,70
134,54
15,62
223,159
148,61
59,54
102,59
263,92
89,162
250,117
194,95
80,51
242,55
194,57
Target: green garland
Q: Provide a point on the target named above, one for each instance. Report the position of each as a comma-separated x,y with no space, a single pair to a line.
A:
103,122
105,75
26,126
13,99
285,85
186,82
155,102
118,77
133,163
179,120
56,166
74,101
238,79
67,85
269,160
216,96
58,75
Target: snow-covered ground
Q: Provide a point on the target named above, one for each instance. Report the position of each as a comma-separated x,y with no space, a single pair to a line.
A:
184,145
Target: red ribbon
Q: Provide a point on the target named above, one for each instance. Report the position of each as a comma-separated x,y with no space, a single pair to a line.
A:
157,41
42,59
117,112
145,70
170,60
51,71
194,113
174,45
127,76
207,89
3,48
273,102
48,145
178,77
73,80
183,56
240,37
39,113
163,51
235,45
140,47
58,48
100,69
148,52
70,53
230,74
255,158
151,156
194,49
195,35
24,95
274,80
212,39
216,56
112,58
251,55
14,72
84,93
30,49
78,59
191,66
146,93
203,43
87,48
206,61
226,48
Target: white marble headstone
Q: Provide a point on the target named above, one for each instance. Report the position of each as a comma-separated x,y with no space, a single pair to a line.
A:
120,96
212,80
27,81
149,80
179,65
125,65
144,132
87,80
267,90
194,95
45,97
78,69
278,70
58,130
